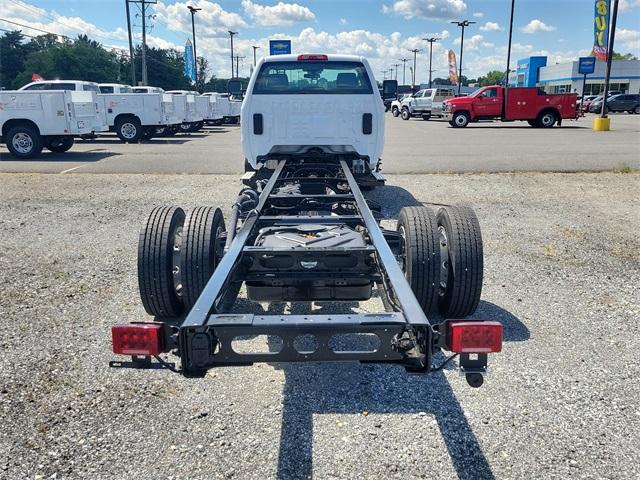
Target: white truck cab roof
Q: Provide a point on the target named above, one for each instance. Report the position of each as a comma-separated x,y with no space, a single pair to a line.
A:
147,90
297,104
77,85
182,92
114,88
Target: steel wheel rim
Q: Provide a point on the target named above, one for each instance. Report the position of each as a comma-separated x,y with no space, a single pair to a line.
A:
22,142
402,254
128,130
461,120
443,243
547,119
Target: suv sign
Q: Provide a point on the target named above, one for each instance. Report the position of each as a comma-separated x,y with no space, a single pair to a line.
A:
279,47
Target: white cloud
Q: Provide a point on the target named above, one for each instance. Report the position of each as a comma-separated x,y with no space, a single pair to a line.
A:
282,14
629,39
491,27
212,20
427,9
535,26
626,5
478,14
343,21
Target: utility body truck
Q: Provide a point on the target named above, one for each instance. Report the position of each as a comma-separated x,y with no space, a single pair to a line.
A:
533,105
31,120
186,104
228,106
302,231
136,116
425,103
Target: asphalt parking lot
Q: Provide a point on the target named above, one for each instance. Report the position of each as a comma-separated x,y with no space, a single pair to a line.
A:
413,146
562,269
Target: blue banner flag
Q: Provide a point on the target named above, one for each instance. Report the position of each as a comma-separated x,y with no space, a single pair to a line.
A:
601,30
189,64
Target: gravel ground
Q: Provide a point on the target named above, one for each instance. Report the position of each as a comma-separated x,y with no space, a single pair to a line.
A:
562,274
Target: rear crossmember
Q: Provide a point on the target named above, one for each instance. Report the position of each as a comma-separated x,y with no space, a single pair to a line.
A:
403,333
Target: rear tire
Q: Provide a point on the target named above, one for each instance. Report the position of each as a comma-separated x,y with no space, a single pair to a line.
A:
547,119
59,144
129,129
533,123
395,112
420,254
463,269
156,264
24,142
637,110
200,253
426,117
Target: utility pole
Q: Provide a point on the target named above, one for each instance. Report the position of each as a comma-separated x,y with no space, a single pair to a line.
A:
396,65
462,24
131,57
612,37
413,74
238,58
143,11
193,11
231,34
404,70
254,54
431,40
506,82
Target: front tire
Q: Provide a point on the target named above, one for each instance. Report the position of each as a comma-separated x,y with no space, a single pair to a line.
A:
159,241
461,261
395,112
406,115
460,120
129,129
420,254
637,110
24,142
59,144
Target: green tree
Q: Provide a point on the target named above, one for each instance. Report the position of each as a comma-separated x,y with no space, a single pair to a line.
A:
203,73
13,52
626,56
492,78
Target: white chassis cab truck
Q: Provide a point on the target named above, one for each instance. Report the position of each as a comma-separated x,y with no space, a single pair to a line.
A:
214,117
31,120
425,103
192,121
302,231
136,116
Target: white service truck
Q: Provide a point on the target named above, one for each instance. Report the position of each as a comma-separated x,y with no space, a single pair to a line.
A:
135,116
31,120
192,121
425,103
214,117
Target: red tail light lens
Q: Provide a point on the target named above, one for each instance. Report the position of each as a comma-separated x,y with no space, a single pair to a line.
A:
475,337
311,57
144,339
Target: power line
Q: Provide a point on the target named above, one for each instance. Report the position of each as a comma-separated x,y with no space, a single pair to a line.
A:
33,28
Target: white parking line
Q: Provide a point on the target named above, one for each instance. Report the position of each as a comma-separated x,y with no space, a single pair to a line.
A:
72,169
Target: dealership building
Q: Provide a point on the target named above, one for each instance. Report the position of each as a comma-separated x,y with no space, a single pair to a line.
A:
564,77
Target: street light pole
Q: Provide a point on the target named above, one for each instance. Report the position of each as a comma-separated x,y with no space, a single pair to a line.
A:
254,54
612,37
506,82
413,76
396,65
404,70
131,57
231,34
431,40
462,24
193,11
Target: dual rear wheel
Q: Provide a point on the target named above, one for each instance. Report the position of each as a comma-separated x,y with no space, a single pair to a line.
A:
441,256
177,254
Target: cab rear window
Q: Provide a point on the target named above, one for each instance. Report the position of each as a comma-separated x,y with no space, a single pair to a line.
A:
312,77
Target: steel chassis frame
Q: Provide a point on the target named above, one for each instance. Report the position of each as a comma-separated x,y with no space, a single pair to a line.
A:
406,336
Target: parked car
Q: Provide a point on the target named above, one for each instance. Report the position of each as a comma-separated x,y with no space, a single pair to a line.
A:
425,103
535,106
396,105
585,102
626,102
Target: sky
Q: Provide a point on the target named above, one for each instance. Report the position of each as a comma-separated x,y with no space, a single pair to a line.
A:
383,31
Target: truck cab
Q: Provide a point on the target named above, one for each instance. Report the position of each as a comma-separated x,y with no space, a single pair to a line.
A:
495,102
313,107
114,88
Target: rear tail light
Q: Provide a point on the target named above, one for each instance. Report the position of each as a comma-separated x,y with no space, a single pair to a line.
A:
475,337
144,339
312,57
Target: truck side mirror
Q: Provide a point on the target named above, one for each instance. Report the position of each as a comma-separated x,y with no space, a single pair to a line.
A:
234,87
389,89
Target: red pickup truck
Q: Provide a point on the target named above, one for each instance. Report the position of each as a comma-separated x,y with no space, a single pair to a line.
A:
535,106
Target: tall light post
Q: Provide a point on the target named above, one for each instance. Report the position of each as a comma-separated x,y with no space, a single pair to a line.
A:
413,74
231,34
506,82
255,47
396,65
431,40
404,70
462,24
193,11
612,37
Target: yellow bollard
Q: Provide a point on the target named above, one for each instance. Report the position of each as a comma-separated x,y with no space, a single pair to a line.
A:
601,124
